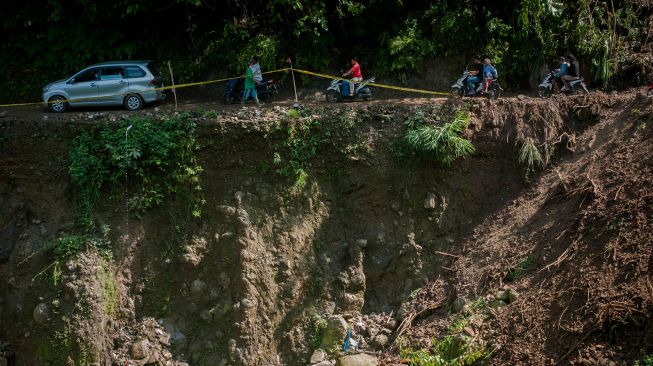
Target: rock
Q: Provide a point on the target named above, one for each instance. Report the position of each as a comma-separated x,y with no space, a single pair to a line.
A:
226,210
243,218
458,305
360,359
501,295
323,363
469,331
239,198
380,341
430,202
41,313
206,315
512,296
318,356
198,288
246,303
361,243
497,303
335,332
140,349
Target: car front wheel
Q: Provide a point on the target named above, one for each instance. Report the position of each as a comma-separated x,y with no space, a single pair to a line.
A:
57,104
133,102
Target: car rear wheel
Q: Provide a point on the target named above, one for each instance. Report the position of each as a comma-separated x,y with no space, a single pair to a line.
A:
57,104
133,102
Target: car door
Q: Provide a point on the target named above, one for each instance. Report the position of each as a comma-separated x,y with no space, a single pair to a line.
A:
112,85
83,88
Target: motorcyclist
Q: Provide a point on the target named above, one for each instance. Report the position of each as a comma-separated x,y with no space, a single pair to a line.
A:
474,77
489,74
355,73
560,73
573,71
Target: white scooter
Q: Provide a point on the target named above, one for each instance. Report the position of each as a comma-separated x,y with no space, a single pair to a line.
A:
339,90
545,89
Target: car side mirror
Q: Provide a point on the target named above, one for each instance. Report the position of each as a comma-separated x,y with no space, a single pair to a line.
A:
71,81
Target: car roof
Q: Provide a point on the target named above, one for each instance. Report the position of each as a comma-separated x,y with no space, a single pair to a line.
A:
118,63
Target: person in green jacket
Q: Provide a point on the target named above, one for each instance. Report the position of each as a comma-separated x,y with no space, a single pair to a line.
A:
250,85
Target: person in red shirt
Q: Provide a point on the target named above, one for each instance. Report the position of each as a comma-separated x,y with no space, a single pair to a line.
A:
355,73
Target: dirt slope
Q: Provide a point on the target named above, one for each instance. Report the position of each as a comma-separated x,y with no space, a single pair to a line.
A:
369,241
584,232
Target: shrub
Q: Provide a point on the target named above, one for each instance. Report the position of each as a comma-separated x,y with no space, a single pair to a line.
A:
449,351
444,144
158,157
529,155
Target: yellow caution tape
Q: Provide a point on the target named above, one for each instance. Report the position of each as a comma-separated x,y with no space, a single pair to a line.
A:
187,85
423,91
178,86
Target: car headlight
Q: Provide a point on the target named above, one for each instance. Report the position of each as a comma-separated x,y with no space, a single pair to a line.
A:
46,88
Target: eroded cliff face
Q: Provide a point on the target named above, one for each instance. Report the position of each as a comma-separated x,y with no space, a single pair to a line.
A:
272,269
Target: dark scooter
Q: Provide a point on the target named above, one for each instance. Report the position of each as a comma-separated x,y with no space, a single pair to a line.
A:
265,91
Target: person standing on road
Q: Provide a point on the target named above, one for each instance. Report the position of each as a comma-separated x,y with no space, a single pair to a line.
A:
355,73
256,70
250,85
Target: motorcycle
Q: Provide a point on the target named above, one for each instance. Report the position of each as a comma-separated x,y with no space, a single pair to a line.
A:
459,88
545,89
265,91
339,90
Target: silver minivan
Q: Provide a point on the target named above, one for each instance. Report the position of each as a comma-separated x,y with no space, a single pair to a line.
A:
128,83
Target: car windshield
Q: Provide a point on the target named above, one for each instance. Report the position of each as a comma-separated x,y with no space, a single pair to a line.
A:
155,72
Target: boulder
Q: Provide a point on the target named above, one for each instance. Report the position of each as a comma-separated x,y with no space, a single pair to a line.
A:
501,295
198,288
140,349
361,243
360,359
512,295
458,305
41,313
335,332
497,303
430,201
380,341
318,356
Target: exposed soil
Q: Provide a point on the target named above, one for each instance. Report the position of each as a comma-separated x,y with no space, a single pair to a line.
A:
385,245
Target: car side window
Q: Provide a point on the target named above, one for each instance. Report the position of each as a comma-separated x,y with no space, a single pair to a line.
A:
88,75
133,72
112,73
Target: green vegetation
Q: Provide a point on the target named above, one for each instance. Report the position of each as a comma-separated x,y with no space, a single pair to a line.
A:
442,144
529,155
316,325
109,288
645,360
391,37
452,350
311,136
520,270
157,158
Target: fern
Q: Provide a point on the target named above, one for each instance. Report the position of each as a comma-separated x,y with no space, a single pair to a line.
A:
530,155
441,143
